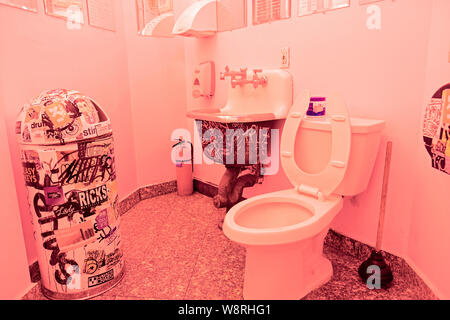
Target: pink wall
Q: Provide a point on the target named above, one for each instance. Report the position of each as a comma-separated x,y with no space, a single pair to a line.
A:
380,73
38,53
429,241
14,276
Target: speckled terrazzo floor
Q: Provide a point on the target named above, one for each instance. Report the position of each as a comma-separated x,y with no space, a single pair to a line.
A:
174,250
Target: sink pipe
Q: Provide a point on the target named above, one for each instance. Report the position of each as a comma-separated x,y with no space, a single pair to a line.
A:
232,185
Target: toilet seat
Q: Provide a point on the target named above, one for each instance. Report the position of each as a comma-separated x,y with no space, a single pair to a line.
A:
322,212
311,192
326,182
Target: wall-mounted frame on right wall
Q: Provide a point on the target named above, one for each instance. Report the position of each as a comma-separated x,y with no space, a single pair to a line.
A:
29,5
270,10
307,7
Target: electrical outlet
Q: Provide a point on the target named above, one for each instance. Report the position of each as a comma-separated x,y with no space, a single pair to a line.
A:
285,57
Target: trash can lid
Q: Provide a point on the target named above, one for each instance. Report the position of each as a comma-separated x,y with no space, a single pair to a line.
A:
61,116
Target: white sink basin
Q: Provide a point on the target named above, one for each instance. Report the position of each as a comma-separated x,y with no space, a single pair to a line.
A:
249,104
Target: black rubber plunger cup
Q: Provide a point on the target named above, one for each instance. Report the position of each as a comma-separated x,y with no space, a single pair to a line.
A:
368,267
376,259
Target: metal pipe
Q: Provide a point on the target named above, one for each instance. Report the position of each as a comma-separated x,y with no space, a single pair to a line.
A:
231,187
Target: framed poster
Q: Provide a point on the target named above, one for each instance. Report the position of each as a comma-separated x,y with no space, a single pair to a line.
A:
307,7
270,10
362,2
29,5
101,14
72,10
155,18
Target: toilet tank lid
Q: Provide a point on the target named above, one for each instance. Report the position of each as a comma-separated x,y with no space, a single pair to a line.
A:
358,125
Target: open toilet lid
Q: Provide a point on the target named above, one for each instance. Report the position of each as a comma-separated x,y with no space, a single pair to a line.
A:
327,181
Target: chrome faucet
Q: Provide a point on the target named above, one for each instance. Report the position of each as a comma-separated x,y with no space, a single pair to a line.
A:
257,80
233,74
239,78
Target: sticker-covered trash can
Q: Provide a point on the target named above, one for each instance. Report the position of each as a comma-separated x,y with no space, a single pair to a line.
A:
67,154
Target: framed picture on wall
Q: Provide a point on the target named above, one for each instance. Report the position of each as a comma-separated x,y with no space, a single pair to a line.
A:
270,10
368,1
307,7
155,18
101,14
29,5
71,10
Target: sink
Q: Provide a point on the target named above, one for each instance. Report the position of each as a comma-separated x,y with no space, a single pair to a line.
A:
254,98
217,115
249,104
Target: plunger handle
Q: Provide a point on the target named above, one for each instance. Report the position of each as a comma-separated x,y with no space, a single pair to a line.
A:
387,167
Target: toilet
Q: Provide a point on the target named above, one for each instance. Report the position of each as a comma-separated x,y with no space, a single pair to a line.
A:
283,232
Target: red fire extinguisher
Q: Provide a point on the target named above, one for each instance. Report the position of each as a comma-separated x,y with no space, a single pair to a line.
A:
184,155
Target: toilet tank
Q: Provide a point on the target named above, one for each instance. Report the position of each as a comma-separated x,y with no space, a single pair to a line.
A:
313,151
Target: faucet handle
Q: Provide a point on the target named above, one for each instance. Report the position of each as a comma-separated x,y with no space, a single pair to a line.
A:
255,71
223,74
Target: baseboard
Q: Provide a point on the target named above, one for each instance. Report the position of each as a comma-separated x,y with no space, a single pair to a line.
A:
146,192
205,188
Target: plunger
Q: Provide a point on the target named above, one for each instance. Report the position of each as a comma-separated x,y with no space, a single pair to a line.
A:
376,257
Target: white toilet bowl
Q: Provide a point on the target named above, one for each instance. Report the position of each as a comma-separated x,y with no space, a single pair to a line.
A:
283,231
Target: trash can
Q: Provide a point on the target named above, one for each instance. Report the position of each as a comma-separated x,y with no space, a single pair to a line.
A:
67,154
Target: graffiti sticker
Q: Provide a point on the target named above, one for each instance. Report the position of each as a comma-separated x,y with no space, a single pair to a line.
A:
436,129
101,278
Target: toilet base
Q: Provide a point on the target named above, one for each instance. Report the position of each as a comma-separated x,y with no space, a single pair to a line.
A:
285,272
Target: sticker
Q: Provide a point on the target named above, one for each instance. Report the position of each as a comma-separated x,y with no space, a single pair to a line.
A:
75,237
32,114
87,108
95,259
102,129
57,115
93,197
26,136
18,127
101,278
30,174
436,129
54,195
102,219
113,258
